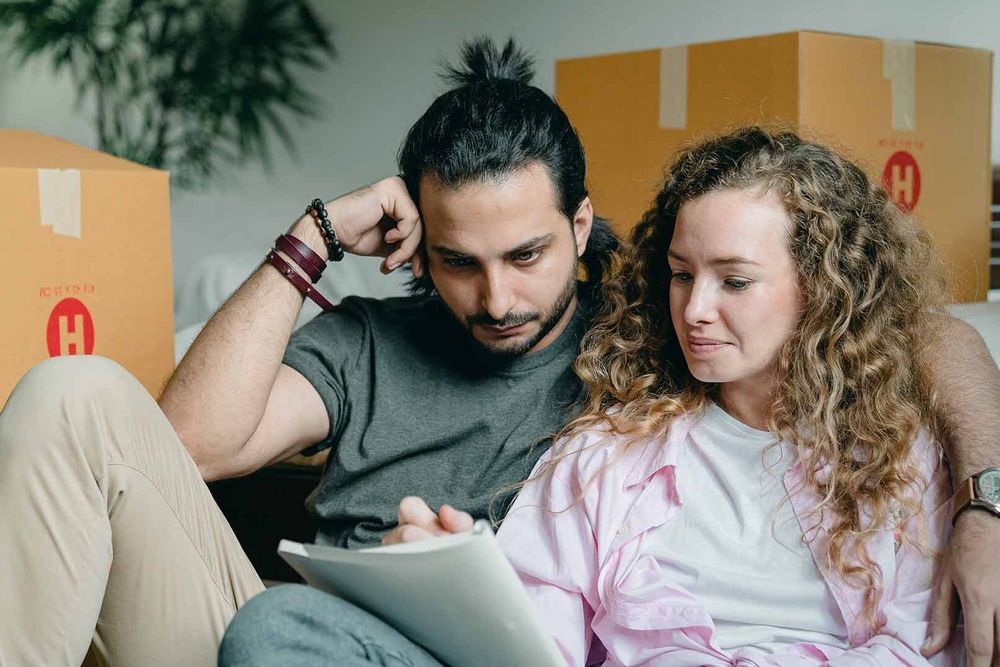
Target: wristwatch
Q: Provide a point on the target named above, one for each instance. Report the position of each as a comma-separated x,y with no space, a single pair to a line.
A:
982,491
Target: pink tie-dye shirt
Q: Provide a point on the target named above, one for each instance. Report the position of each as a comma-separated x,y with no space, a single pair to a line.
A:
605,602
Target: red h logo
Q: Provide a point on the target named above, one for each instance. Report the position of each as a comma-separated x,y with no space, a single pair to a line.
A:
901,179
70,329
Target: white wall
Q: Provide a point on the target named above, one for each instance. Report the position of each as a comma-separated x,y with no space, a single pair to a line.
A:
386,75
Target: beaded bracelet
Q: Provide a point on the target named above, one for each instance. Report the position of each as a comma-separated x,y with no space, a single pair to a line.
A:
318,212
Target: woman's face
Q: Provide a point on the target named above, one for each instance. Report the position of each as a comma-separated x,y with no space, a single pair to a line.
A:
734,296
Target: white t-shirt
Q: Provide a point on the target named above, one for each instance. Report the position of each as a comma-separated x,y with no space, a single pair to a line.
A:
736,545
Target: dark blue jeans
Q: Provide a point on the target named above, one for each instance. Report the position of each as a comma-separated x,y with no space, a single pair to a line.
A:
298,625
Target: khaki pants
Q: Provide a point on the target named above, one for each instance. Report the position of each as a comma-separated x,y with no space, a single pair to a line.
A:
107,531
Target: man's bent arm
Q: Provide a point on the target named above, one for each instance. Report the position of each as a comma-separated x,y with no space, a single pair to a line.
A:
966,382
967,386
232,377
233,403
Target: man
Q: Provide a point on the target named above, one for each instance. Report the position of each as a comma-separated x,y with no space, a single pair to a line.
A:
444,396
106,518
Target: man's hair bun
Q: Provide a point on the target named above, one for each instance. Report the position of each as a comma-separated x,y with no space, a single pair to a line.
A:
481,60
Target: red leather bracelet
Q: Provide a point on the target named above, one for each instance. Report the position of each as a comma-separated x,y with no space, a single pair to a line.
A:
301,254
304,288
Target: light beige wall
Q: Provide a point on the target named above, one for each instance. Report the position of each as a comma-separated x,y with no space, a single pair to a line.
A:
385,76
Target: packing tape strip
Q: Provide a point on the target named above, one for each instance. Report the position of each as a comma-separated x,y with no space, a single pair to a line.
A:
899,66
59,200
673,87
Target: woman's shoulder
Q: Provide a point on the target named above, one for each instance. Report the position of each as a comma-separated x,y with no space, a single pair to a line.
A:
927,457
611,451
926,450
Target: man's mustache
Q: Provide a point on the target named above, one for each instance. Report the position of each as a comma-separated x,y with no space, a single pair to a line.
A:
508,320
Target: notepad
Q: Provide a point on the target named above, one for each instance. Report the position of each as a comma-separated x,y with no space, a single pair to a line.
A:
455,595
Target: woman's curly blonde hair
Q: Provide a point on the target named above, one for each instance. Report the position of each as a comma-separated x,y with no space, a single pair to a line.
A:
851,391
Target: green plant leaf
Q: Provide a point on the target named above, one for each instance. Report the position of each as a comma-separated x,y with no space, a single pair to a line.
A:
183,85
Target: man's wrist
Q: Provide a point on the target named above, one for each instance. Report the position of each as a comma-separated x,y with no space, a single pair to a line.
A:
306,231
976,520
317,209
978,492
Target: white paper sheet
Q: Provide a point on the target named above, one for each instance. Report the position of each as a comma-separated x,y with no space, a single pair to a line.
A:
457,596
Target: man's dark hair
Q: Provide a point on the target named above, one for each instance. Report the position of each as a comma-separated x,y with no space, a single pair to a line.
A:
493,123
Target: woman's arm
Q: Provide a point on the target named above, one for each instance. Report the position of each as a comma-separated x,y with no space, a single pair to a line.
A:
553,552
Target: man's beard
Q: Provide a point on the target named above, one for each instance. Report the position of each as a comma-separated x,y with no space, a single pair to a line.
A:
548,320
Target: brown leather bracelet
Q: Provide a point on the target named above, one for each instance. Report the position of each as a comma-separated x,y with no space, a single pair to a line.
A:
302,255
304,288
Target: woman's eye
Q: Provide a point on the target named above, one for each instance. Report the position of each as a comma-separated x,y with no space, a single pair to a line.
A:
737,283
680,276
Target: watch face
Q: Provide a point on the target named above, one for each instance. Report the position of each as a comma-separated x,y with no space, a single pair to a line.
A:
989,485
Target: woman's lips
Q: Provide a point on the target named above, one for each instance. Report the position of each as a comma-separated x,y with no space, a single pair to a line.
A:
702,347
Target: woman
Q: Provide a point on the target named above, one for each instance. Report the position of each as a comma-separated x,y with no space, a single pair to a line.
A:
753,480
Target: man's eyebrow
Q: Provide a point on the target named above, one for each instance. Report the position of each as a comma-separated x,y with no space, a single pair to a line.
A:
531,244
448,252
521,247
734,259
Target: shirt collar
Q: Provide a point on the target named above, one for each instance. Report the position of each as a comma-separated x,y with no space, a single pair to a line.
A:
656,454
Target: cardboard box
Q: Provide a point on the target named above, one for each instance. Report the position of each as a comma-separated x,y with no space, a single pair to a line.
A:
87,264
915,115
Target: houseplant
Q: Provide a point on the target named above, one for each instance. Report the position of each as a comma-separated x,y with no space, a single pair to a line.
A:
182,85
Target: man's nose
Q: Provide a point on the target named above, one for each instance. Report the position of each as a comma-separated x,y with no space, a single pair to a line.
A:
497,293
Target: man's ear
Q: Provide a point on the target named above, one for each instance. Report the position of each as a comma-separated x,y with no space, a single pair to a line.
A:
583,220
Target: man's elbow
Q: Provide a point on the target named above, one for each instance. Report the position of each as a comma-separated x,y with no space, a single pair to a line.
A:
197,441
196,448
950,338
952,328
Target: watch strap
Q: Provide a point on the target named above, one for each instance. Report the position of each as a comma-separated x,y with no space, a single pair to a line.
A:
964,495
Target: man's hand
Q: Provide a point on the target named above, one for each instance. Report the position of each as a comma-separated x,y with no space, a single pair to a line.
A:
970,575
380,220
417,521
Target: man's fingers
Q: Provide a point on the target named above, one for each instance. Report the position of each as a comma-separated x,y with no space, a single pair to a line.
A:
979,636
455,521
996,638
406,533
942,616
411,533
971,562
407,247
399,205
413,510
417,521
410,244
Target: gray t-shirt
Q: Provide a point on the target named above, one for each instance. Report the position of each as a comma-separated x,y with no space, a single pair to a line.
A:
416,408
